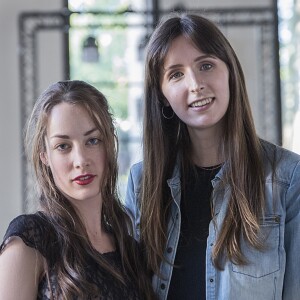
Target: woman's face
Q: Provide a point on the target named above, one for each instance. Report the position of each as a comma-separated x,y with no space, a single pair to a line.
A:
74,152
196,85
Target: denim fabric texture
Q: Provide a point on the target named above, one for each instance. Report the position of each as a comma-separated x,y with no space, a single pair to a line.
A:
273,274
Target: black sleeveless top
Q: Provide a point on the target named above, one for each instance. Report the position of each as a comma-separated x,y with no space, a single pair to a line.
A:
36,232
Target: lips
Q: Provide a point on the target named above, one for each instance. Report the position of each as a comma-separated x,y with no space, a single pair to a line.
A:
84,179
202,102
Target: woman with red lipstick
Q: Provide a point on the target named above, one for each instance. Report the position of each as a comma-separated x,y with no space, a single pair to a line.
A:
77,245
216,208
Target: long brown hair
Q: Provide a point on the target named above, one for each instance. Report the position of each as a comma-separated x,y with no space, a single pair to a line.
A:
68,227
166,141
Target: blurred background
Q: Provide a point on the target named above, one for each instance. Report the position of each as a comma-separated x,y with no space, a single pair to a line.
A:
103,41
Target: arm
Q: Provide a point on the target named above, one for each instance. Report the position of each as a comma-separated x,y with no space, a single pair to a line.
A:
292,238
20,271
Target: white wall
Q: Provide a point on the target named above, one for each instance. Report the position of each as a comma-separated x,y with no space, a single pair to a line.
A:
10,127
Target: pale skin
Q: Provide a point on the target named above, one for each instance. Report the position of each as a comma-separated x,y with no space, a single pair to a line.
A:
196,86
21,268
73,150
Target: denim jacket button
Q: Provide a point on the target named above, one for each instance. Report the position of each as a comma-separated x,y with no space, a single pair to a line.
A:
162,286
169,250
211,280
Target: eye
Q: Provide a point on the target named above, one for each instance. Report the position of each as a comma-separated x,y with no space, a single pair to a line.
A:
93,141
206,67
176,75
62,147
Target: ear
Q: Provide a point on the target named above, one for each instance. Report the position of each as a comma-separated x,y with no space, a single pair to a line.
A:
44,158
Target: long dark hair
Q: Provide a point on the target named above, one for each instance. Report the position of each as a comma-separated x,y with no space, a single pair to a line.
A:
68,227
165,141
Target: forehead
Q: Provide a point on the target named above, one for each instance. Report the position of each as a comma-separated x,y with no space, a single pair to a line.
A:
69,118
181,48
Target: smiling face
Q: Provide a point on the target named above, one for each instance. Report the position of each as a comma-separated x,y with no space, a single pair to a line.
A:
196,85
74,152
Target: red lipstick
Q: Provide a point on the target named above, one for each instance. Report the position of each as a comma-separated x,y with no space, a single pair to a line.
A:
84,179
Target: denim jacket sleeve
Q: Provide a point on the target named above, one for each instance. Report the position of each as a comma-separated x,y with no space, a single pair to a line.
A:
291,286
132,195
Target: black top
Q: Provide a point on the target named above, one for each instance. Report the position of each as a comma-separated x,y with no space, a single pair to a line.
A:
37,232
188,277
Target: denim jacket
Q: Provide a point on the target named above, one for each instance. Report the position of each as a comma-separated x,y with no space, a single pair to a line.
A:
271,274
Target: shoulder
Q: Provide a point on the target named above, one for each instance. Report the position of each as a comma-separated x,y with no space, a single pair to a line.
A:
278,153
21,260
285,162
21,268
136,170
132,198
135,176
19,254
32,229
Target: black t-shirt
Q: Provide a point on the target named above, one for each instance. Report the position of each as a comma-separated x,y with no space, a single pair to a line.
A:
188,278
37,232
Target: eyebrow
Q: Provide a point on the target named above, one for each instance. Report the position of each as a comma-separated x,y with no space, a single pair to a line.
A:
64,136
196,60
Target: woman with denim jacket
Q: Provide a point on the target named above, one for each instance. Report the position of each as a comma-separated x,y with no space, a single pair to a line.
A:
216,208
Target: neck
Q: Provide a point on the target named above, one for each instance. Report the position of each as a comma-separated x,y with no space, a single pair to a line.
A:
206,147
91,215
101,240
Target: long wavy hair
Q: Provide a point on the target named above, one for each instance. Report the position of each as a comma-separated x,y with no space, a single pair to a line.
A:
166,141
75,247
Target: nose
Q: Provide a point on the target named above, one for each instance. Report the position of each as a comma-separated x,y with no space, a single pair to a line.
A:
196,83
80,158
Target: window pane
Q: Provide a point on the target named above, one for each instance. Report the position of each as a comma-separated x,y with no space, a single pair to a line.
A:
106,50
